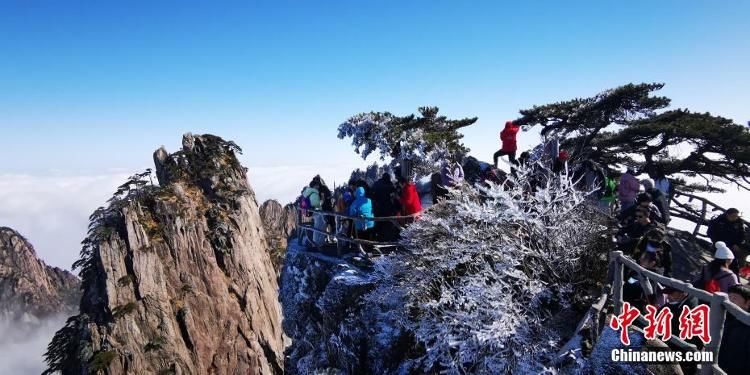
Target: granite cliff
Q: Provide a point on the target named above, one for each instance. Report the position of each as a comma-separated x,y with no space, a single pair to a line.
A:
30,290
279,223
176,277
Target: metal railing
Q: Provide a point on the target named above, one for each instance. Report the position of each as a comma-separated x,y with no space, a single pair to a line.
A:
304,227
719,303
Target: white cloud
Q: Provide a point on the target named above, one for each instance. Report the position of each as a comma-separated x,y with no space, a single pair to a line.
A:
22,348
52,211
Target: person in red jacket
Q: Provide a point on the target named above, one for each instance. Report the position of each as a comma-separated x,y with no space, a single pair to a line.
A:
508,137
410,203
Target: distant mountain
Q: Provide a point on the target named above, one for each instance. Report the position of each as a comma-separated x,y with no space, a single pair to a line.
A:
29,289
177,278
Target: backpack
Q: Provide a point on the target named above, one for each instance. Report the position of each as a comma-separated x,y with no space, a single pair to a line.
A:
304,204
712,285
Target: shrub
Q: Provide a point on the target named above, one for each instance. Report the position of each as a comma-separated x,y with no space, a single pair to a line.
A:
100,361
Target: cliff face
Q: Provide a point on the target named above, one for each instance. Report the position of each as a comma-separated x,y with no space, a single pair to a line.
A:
177,278
279,223
29,289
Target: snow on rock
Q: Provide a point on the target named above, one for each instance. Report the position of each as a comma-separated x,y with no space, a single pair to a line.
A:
479,288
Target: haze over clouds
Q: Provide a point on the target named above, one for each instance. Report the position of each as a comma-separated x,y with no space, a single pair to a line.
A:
22,347
52,210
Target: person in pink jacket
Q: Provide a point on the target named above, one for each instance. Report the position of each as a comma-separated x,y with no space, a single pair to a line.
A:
628,189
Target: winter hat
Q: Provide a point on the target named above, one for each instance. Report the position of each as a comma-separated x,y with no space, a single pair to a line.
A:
722,251
648,183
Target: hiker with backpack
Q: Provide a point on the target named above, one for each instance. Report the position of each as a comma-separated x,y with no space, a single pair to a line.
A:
309,202
716,276
509,145
734,352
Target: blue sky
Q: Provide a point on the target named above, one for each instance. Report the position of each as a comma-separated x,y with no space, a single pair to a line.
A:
103,84
89,89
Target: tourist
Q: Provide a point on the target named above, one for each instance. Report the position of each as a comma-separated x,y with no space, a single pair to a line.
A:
326,205
385,203
655,241
640,291
658,199
627,217
663,184
629,236
508,138
675,301
410,203
362,208
716,276
734,353
628,188
729,228
312,194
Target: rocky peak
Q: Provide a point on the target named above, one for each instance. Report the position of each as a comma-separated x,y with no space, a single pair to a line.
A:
29,289
280,224
177,277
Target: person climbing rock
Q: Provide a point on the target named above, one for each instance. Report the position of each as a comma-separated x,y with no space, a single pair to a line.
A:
508,138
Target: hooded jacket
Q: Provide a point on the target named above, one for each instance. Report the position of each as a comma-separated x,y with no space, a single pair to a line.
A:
508,137
314,195
361,207
628,188
410,200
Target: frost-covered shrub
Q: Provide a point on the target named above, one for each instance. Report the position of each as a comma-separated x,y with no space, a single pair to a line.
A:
484,272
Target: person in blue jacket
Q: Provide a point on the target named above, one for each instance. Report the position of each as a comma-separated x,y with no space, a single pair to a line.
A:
362,207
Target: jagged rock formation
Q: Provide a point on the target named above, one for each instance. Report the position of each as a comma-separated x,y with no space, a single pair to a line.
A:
177,278
332,328
485,282
29,289
279,223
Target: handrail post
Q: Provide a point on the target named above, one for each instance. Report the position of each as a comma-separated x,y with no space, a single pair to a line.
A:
336,234
298,219
702,219
716,321
618,269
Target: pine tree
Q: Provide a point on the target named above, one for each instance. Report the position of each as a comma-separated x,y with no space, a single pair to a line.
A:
423,140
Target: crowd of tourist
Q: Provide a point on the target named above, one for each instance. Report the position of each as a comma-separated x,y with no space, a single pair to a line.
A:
641,208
